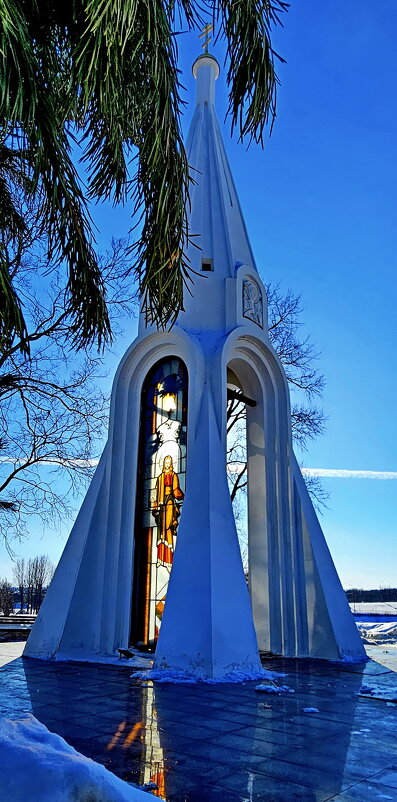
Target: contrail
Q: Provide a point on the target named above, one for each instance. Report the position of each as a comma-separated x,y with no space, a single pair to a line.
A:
331,473
235,467
341,473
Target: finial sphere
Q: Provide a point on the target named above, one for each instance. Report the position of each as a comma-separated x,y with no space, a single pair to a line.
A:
206,59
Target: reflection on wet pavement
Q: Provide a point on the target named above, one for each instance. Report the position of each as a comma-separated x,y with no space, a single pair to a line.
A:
213,743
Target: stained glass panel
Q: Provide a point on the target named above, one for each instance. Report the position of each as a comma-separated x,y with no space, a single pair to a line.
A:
160,494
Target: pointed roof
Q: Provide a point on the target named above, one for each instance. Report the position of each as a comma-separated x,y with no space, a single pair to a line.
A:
216,216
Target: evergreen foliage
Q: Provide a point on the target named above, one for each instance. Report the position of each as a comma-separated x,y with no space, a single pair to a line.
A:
105,72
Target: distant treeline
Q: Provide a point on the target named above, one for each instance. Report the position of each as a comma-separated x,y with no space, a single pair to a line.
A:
378,595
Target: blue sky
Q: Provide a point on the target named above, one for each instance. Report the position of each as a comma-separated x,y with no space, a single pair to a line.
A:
320,207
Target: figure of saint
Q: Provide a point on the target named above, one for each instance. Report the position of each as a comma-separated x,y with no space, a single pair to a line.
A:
252,302
166,510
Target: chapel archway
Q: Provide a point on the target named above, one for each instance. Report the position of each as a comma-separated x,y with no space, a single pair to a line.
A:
236,460
268,522
160,493
246,390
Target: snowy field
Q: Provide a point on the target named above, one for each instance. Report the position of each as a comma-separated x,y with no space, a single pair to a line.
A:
374,608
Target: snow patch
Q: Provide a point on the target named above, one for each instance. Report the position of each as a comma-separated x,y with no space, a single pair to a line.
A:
37,765
182,678
375,692
274,689
374,608
140,661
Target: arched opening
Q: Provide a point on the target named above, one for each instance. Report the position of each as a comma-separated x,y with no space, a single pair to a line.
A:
246,399
267,495
236,451
160,494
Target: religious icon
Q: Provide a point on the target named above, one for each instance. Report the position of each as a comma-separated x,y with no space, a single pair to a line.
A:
166,510
160,494
252,301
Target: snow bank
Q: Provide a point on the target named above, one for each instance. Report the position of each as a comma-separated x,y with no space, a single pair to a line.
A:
385,632
138,661
39,766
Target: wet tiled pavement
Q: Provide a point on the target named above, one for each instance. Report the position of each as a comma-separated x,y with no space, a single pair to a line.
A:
224,743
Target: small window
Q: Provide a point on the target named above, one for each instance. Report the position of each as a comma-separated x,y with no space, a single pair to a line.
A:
206,264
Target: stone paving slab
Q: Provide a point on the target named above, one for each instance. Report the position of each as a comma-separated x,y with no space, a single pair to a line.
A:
367,792
220,743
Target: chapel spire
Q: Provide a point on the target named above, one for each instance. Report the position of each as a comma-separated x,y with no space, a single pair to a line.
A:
215,219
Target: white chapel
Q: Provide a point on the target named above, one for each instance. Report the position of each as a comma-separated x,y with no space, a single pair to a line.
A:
153,560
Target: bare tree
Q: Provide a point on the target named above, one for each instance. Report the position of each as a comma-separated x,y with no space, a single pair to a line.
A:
236,448
38,572
298,356
42,570
52,411
319,495
29,590
6,597
19,572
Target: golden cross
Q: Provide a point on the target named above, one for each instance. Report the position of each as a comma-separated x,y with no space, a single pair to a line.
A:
206,31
